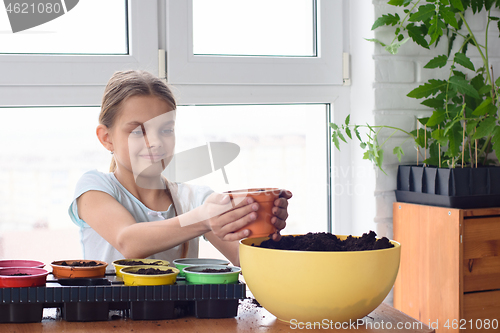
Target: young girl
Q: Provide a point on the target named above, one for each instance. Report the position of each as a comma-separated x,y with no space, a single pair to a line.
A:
136,125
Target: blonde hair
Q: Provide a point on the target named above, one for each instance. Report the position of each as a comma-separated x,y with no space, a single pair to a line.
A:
125,84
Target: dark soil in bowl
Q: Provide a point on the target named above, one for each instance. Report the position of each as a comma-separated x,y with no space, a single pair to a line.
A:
152,271
19,274
212,270
80,263
326,242
139,263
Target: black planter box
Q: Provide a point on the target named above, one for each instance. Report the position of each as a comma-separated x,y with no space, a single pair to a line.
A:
93,299
464,188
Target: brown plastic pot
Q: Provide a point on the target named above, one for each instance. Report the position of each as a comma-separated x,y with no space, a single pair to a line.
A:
262,226
68,271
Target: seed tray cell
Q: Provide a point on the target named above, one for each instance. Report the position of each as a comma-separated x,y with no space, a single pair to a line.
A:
92,299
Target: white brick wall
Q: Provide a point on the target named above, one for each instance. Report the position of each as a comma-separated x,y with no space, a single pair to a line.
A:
395,76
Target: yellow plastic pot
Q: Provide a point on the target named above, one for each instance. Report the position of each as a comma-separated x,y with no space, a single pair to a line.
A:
305,286
148,262
130,278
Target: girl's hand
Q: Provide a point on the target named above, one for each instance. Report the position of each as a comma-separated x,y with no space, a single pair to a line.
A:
225,218
280,213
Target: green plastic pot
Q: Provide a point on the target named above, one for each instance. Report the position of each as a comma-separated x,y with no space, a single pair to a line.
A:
194,274
180,264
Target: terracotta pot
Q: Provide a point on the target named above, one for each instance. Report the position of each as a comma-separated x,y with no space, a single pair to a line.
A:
67,271
262,226
36,277
21,263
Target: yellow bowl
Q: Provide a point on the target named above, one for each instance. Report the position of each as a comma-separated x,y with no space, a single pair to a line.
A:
306,286
130,278
153,262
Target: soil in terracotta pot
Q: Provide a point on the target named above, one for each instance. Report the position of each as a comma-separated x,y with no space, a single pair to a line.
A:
212,270
81,263
152,271
139,263
323,241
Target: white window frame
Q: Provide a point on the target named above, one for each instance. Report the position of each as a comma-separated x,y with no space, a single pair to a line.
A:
186,68
78,80
206,80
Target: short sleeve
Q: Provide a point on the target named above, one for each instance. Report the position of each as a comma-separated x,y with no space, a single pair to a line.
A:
90,181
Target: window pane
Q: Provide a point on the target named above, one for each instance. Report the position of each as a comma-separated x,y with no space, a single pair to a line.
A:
281,146
254,27
90,27
43,153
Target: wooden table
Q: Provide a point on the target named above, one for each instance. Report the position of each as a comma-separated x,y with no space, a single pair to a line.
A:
251,318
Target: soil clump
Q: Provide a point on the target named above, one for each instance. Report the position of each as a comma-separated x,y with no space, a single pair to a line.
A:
81,263
327,242
152,271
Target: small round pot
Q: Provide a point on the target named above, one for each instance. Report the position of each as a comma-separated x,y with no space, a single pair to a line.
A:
187,262
195,274
119,264
21,263
36,278
262,226
130,278
62,271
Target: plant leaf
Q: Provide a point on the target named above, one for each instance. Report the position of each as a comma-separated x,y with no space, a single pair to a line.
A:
439,61
399,152
334,126
457,4
427,89
434,103
485,107
394,46
484,89
341,136
471,126
454,140
438,135
348,132
375,41
387,19
417,34
357,133
424,13
496,142
399,2
438,116
449,17
335,140
463,60
485,128
347,119
463,86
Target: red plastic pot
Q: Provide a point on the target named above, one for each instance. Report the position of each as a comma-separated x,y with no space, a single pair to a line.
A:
36,277
262,226
21,263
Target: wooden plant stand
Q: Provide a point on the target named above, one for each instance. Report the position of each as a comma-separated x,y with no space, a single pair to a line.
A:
449,275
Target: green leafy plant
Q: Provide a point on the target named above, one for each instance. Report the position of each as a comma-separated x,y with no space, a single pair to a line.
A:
463,128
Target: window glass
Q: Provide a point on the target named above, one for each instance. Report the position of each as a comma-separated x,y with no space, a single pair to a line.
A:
254,27
281,146
43,153
90,27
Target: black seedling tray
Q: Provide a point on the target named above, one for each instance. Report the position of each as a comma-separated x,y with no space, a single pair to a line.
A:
92,299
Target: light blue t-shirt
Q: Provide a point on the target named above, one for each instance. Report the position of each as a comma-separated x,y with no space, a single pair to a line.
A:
97,248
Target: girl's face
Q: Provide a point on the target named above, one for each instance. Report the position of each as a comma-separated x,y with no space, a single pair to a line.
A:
143,136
